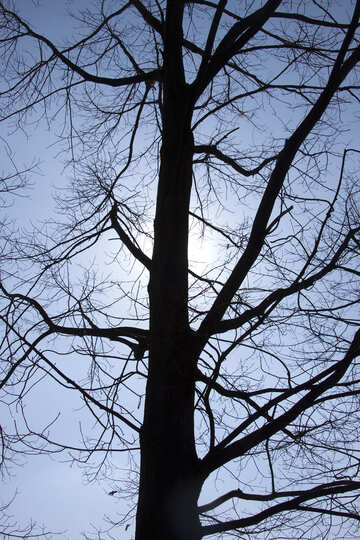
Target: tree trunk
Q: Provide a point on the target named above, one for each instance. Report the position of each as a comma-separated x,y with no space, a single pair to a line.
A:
169,483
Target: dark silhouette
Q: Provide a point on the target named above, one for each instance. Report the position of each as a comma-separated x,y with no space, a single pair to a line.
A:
181,120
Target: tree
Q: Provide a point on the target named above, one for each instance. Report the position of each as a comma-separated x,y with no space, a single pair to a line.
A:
226,120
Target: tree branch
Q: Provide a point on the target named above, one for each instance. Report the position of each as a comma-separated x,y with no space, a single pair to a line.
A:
292,504
238,35
114,334
221,455
277,296
239,494
209,149
151,76
265,208
134,249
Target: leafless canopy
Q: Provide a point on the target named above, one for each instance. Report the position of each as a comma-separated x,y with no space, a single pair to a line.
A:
197,286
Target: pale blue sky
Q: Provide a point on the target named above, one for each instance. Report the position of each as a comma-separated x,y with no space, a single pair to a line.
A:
51,492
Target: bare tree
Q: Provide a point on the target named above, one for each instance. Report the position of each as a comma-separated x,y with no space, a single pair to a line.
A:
222,120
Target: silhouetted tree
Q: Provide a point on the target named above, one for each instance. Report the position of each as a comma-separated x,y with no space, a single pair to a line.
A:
225,121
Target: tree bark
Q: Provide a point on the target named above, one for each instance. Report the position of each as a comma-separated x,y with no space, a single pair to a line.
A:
169,480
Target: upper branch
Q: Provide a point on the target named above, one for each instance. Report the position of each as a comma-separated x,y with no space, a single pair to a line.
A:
274,298
279,14
210,149
133,248
238,35
148,16
151,76
341,69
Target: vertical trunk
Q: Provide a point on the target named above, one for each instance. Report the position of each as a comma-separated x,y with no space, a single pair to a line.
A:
169,487
169,484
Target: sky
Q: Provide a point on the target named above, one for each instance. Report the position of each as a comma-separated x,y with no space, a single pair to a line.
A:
49,491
